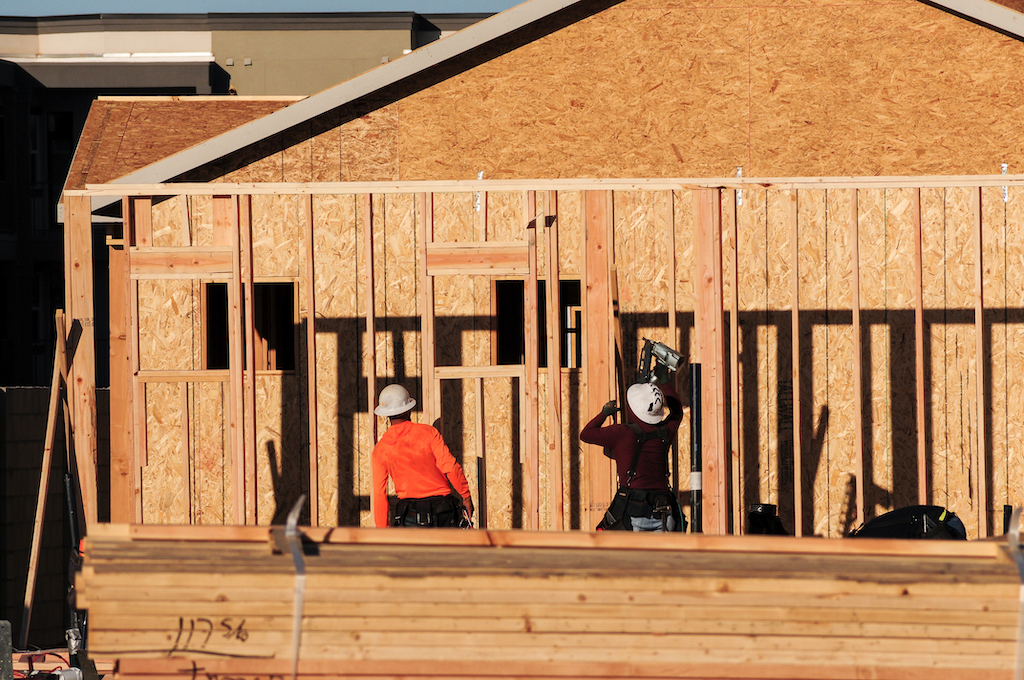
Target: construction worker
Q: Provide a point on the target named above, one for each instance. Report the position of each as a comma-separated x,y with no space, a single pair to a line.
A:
416,458
644,500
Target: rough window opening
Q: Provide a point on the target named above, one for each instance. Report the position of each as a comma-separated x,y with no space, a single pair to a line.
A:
274,321
510,337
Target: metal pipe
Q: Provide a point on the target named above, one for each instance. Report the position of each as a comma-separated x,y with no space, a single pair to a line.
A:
696,504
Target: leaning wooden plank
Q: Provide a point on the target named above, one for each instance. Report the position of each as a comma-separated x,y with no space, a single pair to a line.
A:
44,485
488,259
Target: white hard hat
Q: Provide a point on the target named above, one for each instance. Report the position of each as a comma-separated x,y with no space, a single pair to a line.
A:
394,400
646,402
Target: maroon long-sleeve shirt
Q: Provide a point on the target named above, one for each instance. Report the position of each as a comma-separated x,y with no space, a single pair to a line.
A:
652,468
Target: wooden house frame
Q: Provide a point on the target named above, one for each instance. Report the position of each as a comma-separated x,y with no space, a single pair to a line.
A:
189,219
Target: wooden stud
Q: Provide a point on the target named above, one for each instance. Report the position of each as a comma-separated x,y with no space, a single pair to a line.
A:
425,226
236,362
313,450
922,438
598,328
792,205
739,516
531,423
186,450
79,299
120,376
858,357
186,222
249,335
142,222
366,206
709,316
481,448
556,504
981,465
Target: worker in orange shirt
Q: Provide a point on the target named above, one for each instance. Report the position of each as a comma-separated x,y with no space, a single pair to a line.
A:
424,471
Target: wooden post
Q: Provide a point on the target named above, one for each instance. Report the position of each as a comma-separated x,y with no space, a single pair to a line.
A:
44,479
556,506
600,365
531,445
236,362
82,372
249,401
709,318
922,450
793,208
858,357
370,316
121,474
425,223
313,450
981,465
738,519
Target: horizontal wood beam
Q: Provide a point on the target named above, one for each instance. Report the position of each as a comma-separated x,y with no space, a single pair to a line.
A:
464,372
184,376
150,263
582,184
486,259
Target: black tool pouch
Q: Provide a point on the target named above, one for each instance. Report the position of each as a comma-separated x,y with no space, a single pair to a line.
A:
615,516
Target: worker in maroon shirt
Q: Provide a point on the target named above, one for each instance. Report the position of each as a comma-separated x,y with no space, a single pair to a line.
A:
644,500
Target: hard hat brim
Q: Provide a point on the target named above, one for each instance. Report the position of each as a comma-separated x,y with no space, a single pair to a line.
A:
385,411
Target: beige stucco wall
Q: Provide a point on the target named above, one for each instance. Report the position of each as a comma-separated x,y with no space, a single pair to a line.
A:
302,62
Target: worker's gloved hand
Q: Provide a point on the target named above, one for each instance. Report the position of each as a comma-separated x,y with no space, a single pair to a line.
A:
609,409
662,373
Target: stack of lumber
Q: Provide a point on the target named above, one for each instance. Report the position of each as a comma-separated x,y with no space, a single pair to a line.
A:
218,602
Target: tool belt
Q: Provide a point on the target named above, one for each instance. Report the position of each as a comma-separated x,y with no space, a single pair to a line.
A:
433,511
650,503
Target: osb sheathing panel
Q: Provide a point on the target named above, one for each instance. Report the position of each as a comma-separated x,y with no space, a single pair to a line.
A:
506,220
201,217
278,447
169,220
1013,494
276,235
165,490
213,490
369,147
838,450
397,289
958,406
570,233
340,381
166,325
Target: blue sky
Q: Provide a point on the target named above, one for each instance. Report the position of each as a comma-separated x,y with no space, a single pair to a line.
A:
59,7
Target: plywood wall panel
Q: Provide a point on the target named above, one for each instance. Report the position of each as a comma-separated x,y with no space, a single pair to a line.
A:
959,399
296,161
1014,264
212,463
201,217
369,150
168,222
813,372
839,452
165,487
570,233
340,391
278,447
276,235
502,441
505,218
325,154
585,83
166,332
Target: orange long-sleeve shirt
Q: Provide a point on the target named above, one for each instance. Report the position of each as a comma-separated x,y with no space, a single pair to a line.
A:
417,459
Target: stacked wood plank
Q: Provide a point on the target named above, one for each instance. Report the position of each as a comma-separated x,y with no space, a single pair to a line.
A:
219,601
